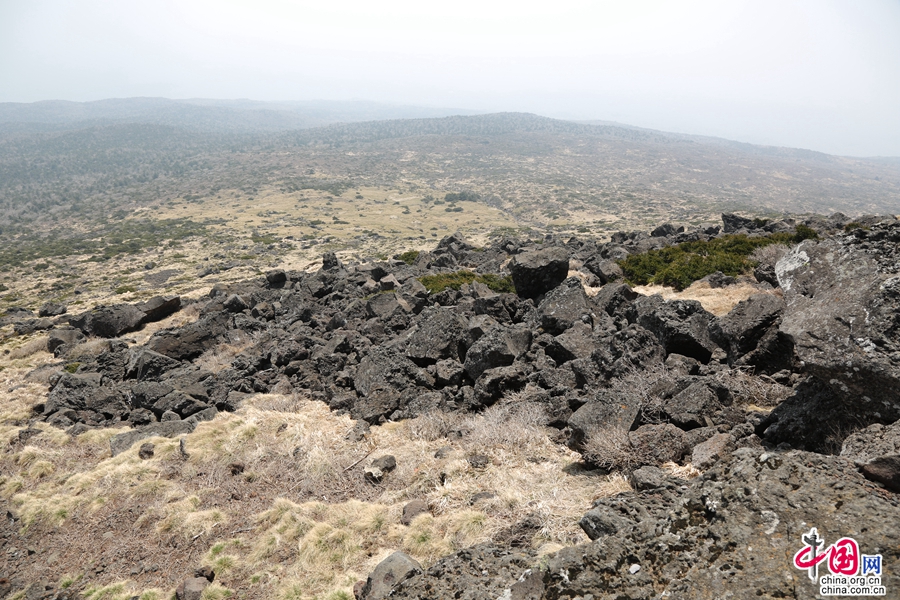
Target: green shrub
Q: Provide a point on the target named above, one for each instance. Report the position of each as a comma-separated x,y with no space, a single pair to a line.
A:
804,233
501,285
409,257
680,265
438,283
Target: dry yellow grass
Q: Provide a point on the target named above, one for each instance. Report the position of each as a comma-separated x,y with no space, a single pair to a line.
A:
308,524
718,301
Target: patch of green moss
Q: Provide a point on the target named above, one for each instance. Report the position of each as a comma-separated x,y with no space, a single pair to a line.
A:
454,281
72,367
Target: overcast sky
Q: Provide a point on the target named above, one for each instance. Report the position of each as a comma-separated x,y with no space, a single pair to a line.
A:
817,74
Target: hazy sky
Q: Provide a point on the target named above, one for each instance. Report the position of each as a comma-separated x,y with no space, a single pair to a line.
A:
820,74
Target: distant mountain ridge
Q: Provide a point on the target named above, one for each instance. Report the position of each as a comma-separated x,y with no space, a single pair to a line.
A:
219,116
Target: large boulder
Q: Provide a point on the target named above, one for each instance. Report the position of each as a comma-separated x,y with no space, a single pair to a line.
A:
86,392
158,308
192,340
439,333
109,321
564,306
390,572
681,326
843,315
749,334
499,347
537,272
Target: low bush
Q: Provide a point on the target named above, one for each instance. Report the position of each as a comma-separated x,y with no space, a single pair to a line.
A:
680,265
438,283
409,257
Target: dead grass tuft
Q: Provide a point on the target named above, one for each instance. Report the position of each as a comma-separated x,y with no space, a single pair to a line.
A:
687,471
219,358
611,449
748,390
29,348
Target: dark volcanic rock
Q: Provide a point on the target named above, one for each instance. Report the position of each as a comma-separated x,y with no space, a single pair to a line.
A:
740,331
734,223
605,270
536,273
735,528
147,364
192,340
813,418
64,338
439,333
476,573
605,412
390,572
564,306
159,307
681,326
691,407
86,392
497,348
109,321
843,315
52,310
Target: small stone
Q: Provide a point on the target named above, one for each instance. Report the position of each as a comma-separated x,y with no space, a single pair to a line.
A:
482,496
648,478
885,470
359,431
391,571
443,452
634,568
146,451
412,510
373,475
479,461
358,588
386,463
205,572
191,589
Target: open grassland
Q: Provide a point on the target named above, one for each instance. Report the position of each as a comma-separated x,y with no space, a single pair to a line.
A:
273,495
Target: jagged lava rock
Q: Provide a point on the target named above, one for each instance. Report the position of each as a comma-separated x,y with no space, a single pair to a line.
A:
537,272
843,315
